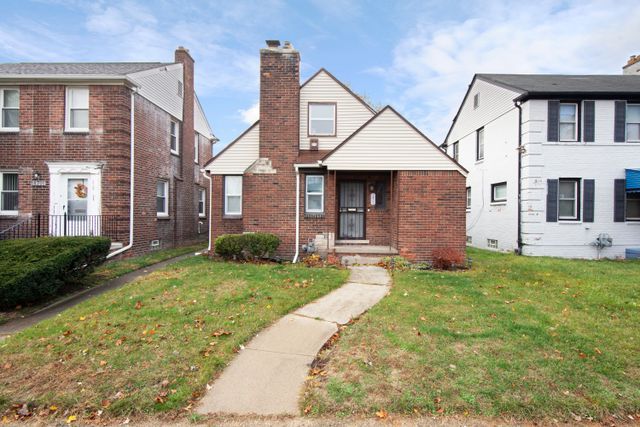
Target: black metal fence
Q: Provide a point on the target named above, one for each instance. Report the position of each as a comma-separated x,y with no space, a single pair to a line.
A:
42,225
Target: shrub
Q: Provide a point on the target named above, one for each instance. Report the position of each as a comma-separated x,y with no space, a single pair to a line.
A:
394,263
447,259
313,260
247,246
32,270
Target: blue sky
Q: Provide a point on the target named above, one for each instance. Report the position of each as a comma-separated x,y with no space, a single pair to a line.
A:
418,56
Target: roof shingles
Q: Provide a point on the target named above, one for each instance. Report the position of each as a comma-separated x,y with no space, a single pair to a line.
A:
77,68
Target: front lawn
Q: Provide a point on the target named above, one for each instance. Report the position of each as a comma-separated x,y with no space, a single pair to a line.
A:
530,338
154,344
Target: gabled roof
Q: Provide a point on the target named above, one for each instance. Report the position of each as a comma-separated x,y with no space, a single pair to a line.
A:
345,87
231,144
388,141
27,69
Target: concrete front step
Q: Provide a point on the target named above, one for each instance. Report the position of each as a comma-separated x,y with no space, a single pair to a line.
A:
365,249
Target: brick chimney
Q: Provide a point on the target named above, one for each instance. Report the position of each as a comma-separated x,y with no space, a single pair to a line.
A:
279,103
633,66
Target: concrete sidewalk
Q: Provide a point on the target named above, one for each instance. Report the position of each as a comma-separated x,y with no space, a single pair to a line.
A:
267,376
16,325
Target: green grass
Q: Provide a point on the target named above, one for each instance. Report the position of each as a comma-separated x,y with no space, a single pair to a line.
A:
530,338
152,345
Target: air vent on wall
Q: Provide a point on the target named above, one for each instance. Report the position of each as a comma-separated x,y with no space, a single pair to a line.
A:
314,145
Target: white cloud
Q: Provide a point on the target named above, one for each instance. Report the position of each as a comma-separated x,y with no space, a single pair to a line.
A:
251,114
434,63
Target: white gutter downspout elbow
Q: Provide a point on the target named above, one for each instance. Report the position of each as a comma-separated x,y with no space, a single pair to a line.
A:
131,178
204,173
295,257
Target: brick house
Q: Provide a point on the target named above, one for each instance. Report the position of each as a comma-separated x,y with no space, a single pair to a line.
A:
325,171
80,143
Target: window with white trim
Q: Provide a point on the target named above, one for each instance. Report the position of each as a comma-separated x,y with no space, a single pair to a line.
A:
455,151
314,190
492,243
196,148
499,192
8,193
174,132
233,195
633,122
468,198
77,109
568,199
202,204
568,122
322,119
162,198
480,144
10,105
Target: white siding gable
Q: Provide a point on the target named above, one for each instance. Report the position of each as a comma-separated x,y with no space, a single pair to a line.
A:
388,142
160,86
239,155
351,112
200,122
494,101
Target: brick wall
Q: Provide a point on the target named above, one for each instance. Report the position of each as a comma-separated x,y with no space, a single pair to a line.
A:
431,212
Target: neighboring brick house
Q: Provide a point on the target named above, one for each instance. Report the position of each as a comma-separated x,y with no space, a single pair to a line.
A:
65,152
554,163
323,169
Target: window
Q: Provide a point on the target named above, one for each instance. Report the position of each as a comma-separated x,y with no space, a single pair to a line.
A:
499,192
196,146
173,137
10,105
322,119
454,151
476,101
469,240
568,122
480,144
8,193
162,198
314,202
468,197
632,206
492,243
202,204
233,195
633,122
77,111
568,199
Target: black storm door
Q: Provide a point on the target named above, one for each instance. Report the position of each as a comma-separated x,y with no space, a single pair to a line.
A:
351,210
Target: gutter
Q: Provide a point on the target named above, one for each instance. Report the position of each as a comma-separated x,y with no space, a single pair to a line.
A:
297,254
518,105
131,179
204,173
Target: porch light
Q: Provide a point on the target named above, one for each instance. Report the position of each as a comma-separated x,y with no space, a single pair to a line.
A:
36,176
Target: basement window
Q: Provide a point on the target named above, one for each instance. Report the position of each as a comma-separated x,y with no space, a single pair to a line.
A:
492,243
469,240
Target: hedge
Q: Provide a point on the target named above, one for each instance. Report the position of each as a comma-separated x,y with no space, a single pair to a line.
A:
247,246
32,270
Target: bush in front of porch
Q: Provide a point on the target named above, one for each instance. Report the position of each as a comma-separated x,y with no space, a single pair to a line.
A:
34,269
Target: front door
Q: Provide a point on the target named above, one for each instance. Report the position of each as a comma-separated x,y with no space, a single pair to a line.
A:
74,207
351,210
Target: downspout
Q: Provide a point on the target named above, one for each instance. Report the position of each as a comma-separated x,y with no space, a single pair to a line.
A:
518,105
204,173
295,257
131,177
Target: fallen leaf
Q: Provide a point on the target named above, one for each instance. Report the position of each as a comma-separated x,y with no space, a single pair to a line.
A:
103,362
138,305
71,419
53,408
382,414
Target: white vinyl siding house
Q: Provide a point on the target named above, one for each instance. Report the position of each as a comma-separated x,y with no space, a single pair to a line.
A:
240,154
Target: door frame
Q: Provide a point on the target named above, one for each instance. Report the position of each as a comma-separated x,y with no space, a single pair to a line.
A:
364,212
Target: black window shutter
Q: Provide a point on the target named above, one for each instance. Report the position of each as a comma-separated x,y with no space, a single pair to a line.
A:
552,200
618,200
588,200
620,121
553,112
589,120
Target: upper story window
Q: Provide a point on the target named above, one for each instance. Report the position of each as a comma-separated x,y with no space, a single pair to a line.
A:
633,122
454,151
8,193
202,196
233,195
10,104
499,192
77,109
568,122
476,101
162,198
480,144
314,202
196,148
568,199
174,131
322,119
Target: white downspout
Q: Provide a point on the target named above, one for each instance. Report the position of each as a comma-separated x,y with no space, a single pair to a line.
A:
131,178
204,173
295,257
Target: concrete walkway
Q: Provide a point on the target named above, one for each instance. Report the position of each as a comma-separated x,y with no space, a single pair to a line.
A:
16,325
267,376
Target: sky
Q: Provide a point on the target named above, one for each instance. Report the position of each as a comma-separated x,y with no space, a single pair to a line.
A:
417,55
